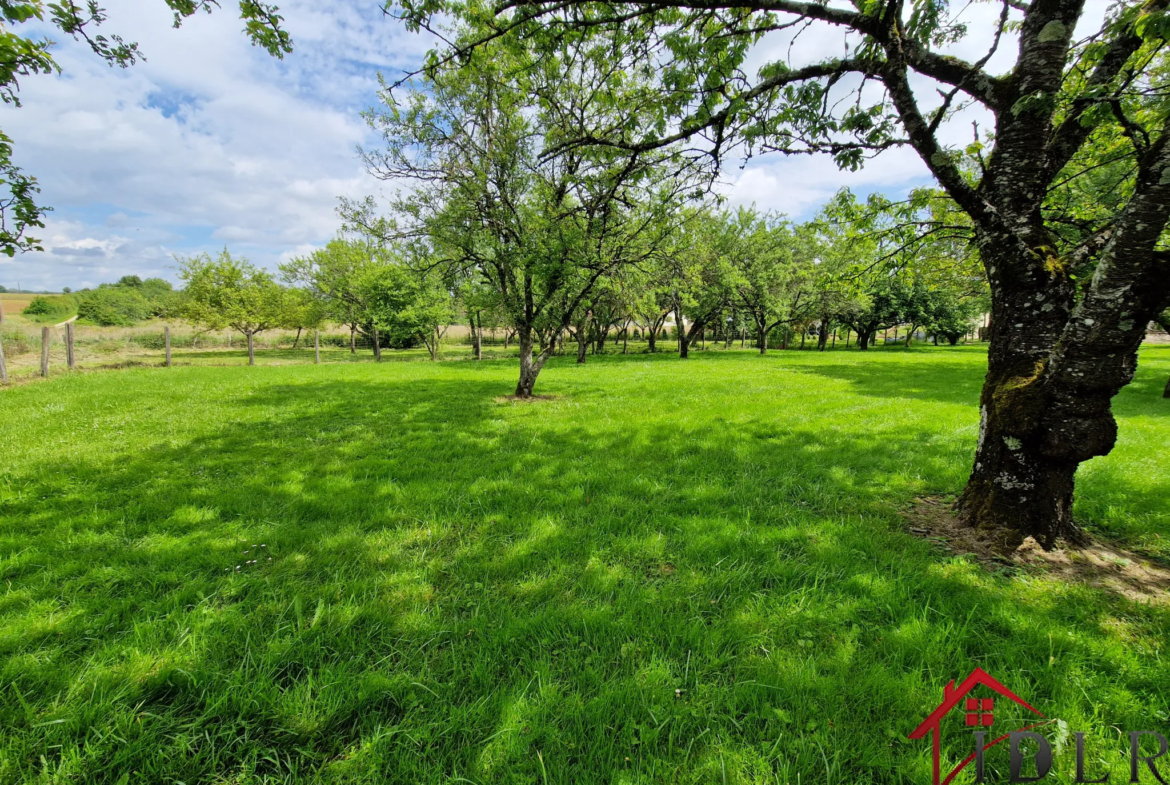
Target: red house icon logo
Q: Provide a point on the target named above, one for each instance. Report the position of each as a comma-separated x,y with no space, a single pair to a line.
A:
977,713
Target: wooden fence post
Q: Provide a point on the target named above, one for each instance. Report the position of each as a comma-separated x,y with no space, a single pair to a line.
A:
317,346
167,342
44,351
3,367
69,358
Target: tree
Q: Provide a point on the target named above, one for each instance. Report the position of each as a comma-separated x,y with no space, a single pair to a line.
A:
1062,342
227,292
699,274
947,315
335,275
407,306
761,257
881,306
24,55
542,232
301,311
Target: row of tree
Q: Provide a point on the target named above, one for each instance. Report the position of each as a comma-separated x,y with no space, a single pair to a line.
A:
549,143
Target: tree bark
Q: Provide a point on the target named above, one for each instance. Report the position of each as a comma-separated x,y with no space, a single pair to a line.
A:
297,340
762,338
530,366
1165,393
377,346
477,329
823,335
863,339
251,348
684,343
352,339
1054,366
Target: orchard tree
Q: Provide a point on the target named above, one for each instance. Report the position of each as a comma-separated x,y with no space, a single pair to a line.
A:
765,287
23,55
1069,309
541,231
227,292
335,275
302,310
700,274
407,306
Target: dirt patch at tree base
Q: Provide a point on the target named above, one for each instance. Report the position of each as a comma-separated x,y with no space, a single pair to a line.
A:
1093,562
529,399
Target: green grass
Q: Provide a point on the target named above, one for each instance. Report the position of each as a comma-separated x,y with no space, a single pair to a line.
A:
674,572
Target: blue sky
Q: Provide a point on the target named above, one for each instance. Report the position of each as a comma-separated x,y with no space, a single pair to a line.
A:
211,142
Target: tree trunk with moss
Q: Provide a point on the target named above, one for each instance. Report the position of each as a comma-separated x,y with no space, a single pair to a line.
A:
1054,365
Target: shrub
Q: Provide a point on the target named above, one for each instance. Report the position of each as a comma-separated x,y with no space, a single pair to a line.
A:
114,306
48,309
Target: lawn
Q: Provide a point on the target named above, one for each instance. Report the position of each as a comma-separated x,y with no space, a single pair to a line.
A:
689,572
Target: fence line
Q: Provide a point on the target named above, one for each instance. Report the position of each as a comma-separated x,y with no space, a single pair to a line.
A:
70,347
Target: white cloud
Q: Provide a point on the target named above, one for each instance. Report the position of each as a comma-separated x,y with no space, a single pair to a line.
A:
210,141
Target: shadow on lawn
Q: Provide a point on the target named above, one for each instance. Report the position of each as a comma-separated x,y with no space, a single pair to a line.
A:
458,586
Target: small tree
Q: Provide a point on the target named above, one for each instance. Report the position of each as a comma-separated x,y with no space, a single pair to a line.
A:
227,292
335,275
948,316
407,306
302,311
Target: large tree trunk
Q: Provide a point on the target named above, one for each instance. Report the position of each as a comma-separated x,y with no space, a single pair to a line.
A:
762,338
529,365
251,348
1053,369
823,335
863,339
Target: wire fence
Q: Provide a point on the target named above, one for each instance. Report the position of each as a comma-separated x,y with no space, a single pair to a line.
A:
29,350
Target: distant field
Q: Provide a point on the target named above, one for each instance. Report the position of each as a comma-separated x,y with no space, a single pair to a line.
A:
673,572
14,304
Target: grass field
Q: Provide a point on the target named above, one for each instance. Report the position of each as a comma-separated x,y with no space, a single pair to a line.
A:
688,572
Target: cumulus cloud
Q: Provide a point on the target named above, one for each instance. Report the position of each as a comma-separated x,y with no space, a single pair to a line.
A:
208,142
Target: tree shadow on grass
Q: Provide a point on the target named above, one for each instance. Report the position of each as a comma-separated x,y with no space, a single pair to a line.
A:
461,589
